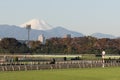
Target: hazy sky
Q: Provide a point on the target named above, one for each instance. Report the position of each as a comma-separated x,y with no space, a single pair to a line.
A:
85,16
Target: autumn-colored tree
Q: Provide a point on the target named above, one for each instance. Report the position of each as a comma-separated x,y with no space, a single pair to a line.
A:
77,45
11,45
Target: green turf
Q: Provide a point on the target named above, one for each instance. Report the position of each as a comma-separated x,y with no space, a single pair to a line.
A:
64,74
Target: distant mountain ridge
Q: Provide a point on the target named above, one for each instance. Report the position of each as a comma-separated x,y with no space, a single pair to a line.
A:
101,35
62,31
21,33
39,27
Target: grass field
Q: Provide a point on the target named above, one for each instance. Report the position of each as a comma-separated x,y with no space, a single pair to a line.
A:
64,74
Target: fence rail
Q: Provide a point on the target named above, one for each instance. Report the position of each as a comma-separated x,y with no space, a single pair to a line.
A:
18,66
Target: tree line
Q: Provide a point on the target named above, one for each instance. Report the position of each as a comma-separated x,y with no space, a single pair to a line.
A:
77,45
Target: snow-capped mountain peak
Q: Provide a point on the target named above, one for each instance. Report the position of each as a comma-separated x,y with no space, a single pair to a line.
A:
37,24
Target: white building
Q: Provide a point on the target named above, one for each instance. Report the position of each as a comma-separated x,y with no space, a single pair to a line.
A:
67,36
41,38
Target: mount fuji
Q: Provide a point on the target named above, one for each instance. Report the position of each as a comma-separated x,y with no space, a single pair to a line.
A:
38,24
38,27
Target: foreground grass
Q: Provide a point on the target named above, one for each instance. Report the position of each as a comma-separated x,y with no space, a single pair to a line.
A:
64,74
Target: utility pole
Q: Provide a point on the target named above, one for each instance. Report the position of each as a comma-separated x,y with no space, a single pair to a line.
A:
28,27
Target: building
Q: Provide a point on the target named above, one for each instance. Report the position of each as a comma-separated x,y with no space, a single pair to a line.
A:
67,36
41,38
